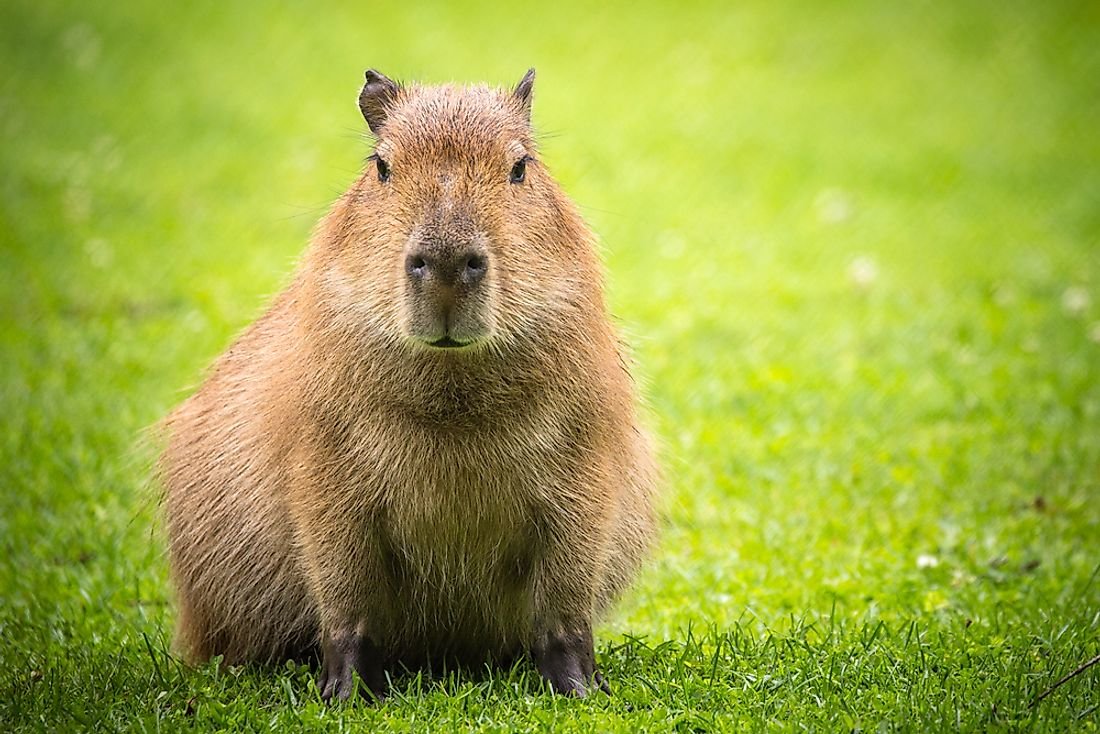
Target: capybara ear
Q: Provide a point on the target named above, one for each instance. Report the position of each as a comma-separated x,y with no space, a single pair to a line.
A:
524,91
375,99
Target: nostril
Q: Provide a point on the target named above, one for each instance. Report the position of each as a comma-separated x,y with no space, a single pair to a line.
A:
475,266
416,266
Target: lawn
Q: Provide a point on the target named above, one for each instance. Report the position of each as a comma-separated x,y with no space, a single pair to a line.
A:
856,249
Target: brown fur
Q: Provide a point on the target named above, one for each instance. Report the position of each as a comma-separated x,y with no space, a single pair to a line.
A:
334,474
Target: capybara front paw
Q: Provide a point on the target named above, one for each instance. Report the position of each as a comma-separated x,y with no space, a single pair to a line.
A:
335,684
351,661
567,660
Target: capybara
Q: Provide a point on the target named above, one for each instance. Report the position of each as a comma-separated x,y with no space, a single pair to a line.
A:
427,448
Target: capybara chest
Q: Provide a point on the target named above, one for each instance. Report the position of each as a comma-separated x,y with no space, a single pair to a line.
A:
460,528
461,560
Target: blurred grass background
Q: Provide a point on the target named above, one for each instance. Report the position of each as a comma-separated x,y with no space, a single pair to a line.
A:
856,247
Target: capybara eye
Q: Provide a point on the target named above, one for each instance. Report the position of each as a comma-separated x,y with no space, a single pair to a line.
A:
519,171
383,169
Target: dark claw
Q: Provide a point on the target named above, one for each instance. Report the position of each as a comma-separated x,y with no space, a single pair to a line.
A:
349,659
567,659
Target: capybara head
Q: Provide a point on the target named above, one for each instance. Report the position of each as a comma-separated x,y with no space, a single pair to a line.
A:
456,238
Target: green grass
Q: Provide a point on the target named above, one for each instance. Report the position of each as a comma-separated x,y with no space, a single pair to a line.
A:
857,249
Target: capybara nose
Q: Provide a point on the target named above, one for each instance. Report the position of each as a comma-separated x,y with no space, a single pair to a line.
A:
450,266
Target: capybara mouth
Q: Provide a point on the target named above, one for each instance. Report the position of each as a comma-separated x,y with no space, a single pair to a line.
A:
447,343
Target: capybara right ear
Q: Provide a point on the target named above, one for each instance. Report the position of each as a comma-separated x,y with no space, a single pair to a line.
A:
375,99
524,91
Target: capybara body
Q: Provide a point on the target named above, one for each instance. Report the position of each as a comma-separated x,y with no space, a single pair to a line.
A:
427,448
